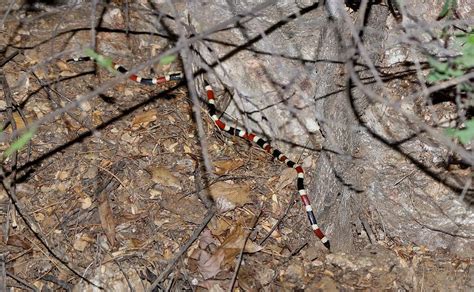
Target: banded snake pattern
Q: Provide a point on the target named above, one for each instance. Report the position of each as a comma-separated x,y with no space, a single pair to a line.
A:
277,154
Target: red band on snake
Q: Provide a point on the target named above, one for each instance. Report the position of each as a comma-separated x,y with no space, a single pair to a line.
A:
177,76
275,153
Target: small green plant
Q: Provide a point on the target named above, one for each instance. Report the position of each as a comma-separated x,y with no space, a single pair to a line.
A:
453,68
448,8
167,59
465,135
456,67
101,60
20,142
107,63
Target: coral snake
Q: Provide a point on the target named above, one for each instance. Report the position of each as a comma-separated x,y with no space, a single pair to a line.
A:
177,76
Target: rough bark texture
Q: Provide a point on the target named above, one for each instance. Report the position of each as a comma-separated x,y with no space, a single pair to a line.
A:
274,50
285,68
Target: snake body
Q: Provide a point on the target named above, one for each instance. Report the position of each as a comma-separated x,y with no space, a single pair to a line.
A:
277,154
174,76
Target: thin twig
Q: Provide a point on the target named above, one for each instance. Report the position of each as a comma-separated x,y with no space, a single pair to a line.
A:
130,286
171,265
241,254
377,97
3,275
10,120
404,177
63,284
466,188
122,77
10,6
187,58
7,59
297,251
31,225
275,226
200,190
23,282
368,230
439,137
48,89
117,167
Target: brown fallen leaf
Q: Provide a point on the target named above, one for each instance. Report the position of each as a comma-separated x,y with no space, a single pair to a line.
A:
206,239
62,174
229,196
189,208
42,73
227,166
144,118
219,225
267,225
209,266
65,70
18,241
170,145
226,253
20,124
287,177
97,118
127,137
106,217
63,66
214,285
107,184
39,216
83,198
82,241
236,239
85,202
161,175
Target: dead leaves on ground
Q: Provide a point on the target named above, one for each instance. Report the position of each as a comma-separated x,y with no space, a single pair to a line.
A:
154,210
211,260
163,176
218,247
82,241
217,250
227,166
143,119
107,220
287,177
228,196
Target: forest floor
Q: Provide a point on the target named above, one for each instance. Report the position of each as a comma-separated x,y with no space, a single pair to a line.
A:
114,185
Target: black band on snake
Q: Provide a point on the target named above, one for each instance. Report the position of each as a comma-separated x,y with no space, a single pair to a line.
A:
277,154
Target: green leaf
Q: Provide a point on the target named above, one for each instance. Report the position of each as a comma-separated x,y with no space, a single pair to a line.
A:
20,142
437,72
434,76
452,72
437,65
445,71
449,6
465,61
101,60
470,39
465,135
167,59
